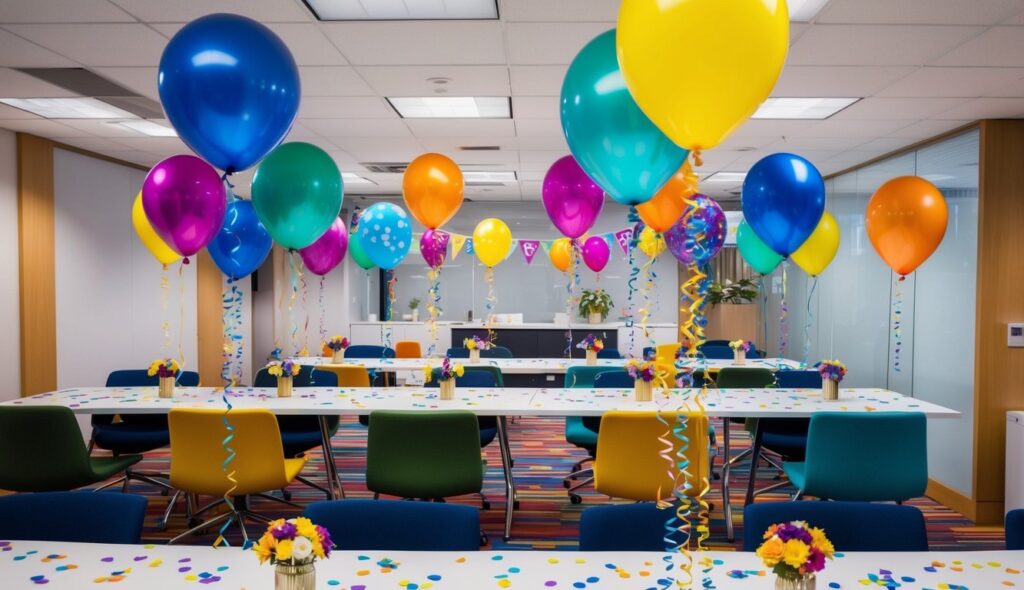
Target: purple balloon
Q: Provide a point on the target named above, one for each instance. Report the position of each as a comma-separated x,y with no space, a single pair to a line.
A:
184,200
434,246
596,253
699,233
328,250
573,201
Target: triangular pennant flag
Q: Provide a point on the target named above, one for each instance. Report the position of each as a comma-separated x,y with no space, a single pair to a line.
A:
457,243
623,237
469,246
546,244
529,248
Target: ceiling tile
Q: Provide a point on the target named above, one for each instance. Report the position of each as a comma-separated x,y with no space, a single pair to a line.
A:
79,11
14,84
41,127
986,108
877,45
958,82
926,129
308,45
852,128
461,127
531,191
138,79
998,46
553,142
919,12
93,144
538,128
170,11
462,80
101,128
154,144
896,108
333,81
344,107
549,43
537,80
17,52
98,44
418,42
1012,90
9,112
573,11
332,128
802,144
536,107
302,132
358,146
837,81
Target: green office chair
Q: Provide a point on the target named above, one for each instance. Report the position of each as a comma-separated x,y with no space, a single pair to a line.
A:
41,450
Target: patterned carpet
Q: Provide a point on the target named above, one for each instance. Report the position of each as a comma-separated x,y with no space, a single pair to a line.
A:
546,519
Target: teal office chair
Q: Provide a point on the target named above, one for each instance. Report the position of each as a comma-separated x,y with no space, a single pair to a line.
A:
478,377
602,377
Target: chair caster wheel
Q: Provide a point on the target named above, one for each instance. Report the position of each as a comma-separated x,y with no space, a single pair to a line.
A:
483,539
286,495
485,505
164,491
515,505
566,483
161,526
575,499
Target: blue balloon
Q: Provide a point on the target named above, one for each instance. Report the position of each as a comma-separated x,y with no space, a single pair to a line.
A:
783,200
231,89
385,234
611,138
242,244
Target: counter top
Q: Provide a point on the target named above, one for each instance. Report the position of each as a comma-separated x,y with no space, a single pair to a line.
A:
524,326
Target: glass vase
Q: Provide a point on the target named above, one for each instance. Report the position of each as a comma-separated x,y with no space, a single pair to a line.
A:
294,577
804,582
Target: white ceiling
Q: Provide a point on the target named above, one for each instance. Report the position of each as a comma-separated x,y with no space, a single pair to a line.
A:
922,66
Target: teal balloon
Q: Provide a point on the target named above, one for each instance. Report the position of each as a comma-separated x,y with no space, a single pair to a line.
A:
611,138
757,254
385,234
297,192
355,250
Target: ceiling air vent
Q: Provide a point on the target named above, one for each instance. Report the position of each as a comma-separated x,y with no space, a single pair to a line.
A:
82,81
479,148
385,167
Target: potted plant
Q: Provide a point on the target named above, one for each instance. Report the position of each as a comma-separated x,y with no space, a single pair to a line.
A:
292,546
445,377
595,304
832,372
284,371
796,552
593,346
414,306
730,314
167,370
337,346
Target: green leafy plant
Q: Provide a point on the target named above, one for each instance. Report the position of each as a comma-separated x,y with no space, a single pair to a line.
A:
414,303
739,292
595,301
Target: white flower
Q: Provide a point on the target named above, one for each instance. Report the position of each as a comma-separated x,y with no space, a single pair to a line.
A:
302,548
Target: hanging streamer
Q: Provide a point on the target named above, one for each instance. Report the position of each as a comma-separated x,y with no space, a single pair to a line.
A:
633,236
231,370
492,301
783,311
572,283
181,313
165,302
646,287
433,307
294,274
305,310
897,326
810,320
678,523
320,305
764,312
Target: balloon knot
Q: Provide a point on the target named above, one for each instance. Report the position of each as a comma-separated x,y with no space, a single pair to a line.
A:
185,260
697,161
902,278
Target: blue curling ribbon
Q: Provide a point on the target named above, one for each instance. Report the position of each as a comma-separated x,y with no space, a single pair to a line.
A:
764,311
633,217
783,310
434,307
897,326
231,307
810,320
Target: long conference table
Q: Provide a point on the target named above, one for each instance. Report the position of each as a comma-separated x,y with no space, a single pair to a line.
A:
499,402
541,366
27,564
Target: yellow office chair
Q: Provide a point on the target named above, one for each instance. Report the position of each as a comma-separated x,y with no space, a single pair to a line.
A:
197,457
629,460
408,349
665,354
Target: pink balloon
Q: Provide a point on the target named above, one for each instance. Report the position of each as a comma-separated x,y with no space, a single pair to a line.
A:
596,253
328,250
184,200
434,246
573,201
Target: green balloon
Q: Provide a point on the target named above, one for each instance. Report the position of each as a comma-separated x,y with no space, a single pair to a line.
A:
757,254
355,250
297,192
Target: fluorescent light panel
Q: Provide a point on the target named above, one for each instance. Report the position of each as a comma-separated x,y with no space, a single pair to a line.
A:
353,178
471,176
452,107
726,177
802,108
148,128
404,9
68,108
802,11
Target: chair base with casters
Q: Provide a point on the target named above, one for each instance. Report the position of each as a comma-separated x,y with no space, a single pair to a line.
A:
236,515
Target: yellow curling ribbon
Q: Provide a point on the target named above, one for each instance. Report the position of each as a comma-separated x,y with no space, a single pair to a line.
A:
433,307
492,301
165,302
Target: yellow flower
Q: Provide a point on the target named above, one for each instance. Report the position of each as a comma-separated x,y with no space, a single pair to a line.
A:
305,527
469,343
284,550
265,547
296,368
795,553
428,374
771,531
318,548
820,542
771,551
459,370
274,370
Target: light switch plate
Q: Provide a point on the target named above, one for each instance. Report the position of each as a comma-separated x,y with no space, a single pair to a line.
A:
1015,335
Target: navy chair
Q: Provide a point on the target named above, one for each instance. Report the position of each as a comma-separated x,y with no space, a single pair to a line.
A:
851,526
396,525
369,351
625,527
717,353
1015,530
609,353
798,380
73,517
495,352
478,377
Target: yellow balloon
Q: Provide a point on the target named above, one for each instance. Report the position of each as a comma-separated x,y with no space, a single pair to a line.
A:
147,235
699,68
492,240
820,248
651,243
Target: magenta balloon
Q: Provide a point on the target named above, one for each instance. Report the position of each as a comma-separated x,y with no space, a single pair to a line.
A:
434,246
184,200
596,253
328,250
573,201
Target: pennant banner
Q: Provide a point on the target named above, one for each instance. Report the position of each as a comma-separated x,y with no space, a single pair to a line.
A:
457,243
469,246
529,249
546,245
623,237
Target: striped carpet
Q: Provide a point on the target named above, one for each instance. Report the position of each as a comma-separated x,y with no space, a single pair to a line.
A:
546,519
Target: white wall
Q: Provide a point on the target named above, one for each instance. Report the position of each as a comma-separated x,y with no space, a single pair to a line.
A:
10,334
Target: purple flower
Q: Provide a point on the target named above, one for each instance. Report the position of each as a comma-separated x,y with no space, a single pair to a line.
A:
325,540
790,531
815,562
283,531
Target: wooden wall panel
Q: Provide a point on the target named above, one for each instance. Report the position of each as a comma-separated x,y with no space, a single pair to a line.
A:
209,329
36,265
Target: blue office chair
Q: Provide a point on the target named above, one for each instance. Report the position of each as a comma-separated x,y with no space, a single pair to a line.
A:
495,352
396,525
609,353
575,432
626,527
478,377
717,352
798,380
73,517
1015,530
603,378
851,526
368,351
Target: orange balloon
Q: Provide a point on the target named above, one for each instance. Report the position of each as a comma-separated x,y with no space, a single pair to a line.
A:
432,187
906,220
668,204
561,254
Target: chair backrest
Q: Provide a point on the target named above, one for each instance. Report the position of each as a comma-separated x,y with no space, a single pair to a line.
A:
851,526
309,376
626,527
736,377
613,379
408,349
457,352
1015,529
141,378
496,352
197,451
73,517
629,460
473,377
582,375
869,456
716,343
798,379
368,351
349,375
666,353
372,525
41,450
423,454
716,353
609,353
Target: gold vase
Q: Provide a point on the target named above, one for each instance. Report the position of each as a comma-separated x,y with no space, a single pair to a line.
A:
295,577
804,582
167,387
338,357
829,390
284,386
644,390
739,357
474,355
591,358
448,389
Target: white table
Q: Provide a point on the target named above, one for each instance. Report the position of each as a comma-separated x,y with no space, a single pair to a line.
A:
500,402
536,366
167,567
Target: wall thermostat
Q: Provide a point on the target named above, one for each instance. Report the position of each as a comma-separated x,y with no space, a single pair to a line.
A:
1015,335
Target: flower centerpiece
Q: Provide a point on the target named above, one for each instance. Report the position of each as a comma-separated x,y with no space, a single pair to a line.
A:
643,374
795,552
292,546
592,345
337,346
832,372
475,345
445,377
740,348
284,371
166,370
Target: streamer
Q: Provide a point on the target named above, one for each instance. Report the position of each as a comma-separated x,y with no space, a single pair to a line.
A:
305,310
810,320
634,218
764,311
572,283
165,301
492,301
231,368
181,312
897,326
433,307
320,304
294,274
783,311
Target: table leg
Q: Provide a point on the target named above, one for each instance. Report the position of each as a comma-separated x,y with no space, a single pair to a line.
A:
730,532
333,479
755,458
506,465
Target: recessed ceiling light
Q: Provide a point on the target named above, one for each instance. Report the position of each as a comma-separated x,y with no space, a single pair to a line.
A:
478,176
148,128
802,11
404,10
726,177
802,108
68,108
352,178
452,107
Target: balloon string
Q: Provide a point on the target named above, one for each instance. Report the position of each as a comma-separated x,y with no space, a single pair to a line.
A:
433,307
492,300
633,217
783,310
323,311
181,312
647,286
231,353
305,309
165,302
389,312
693,290
897,325
810,320
764,312
572,278
293,273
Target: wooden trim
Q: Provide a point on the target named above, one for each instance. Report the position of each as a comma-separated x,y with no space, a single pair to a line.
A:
85,152
907,148
36,265
209,333
951,498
